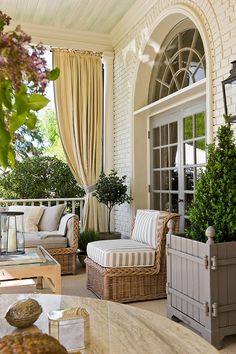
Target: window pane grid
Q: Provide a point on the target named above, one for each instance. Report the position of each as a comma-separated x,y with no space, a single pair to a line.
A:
181,64
194,144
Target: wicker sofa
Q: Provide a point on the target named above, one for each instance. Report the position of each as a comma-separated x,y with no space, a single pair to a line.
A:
53,229
131,283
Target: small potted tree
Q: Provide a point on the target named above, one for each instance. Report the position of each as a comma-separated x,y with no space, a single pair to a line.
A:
201,269
85,237
111,190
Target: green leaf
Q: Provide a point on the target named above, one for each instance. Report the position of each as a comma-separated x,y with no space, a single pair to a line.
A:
54,74
21,103
12,156
4,157
31,120
37,101
23,89
16,122
6,95
4,137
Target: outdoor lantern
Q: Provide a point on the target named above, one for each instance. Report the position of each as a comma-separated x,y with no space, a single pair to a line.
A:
12,238
229,93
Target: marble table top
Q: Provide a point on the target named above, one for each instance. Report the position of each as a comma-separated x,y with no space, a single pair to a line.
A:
115,328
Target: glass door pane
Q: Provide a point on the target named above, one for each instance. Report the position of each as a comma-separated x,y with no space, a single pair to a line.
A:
194,147
178,153
164,169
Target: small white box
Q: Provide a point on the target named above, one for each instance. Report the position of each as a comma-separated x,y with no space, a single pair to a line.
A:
71,327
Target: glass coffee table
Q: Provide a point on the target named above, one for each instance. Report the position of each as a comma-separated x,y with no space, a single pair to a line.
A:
35,263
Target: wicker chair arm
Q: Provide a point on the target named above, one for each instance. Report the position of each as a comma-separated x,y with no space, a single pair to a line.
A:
72,231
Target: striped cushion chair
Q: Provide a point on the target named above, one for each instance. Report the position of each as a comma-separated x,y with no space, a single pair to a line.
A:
133,269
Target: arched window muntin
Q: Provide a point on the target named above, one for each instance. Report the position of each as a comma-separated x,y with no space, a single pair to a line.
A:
178,64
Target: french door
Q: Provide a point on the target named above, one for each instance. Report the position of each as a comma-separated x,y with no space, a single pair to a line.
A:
178,152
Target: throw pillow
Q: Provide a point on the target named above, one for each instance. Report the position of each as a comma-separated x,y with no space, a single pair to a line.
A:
51,217
145,227
32,215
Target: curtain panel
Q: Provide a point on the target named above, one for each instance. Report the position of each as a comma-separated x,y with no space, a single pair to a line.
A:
79,97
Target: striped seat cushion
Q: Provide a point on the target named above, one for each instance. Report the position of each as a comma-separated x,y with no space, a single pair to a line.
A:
121,253
147,225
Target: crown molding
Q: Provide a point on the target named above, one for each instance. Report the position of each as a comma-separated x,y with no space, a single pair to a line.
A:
130,19
65,38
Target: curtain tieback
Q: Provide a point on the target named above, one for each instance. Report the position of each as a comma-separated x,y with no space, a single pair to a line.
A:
90,189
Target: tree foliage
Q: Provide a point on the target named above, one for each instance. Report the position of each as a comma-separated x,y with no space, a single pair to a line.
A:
49,129
40,177
23,79
111,191
28,142
215,197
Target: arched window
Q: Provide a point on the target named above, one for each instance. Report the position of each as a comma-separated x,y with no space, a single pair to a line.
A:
180,62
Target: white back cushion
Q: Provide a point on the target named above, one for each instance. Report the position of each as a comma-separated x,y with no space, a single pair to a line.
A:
145,227
32,215
51,217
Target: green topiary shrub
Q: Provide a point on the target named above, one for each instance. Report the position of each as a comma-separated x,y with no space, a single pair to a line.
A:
215,197
40,177
111,191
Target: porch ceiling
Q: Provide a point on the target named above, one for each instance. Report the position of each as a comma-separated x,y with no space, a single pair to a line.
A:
99,16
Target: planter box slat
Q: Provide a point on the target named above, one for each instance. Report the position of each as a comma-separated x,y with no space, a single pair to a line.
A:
227,308
192,283
184,279
196,287
187,299
179,275
189,276
187,256
225,262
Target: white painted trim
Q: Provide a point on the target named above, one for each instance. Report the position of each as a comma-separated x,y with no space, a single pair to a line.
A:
197,20
177,98
140,115
66,38
107,60
130,19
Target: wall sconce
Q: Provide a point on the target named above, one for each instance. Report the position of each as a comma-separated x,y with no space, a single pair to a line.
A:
229,93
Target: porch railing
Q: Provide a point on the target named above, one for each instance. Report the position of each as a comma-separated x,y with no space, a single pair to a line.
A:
74,205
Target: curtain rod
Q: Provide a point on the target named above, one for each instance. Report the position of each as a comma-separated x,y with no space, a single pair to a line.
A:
69,50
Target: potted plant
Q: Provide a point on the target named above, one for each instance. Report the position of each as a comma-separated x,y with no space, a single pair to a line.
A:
201,270
111,190
85,237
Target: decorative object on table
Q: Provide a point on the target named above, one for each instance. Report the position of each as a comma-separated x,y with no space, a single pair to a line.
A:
111,191
201,270
23,80
229,93
23,313
71,327
33,343
12,236
85,237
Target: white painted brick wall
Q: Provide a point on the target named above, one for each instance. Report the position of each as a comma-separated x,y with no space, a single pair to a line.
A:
219,18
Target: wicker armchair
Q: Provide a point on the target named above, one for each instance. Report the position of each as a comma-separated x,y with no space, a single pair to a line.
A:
67,256
127,284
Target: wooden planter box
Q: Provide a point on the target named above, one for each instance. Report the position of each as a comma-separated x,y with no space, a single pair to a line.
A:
201,285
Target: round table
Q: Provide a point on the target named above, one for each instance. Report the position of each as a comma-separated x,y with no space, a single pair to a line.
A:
115,328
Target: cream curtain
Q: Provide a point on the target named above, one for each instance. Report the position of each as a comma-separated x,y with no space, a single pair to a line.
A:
78,95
